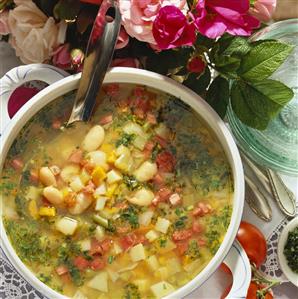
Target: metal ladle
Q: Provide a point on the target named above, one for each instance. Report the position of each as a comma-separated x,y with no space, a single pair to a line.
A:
98,56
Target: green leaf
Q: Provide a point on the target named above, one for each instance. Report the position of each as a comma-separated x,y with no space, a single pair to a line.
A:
256,104
264,58
239,46
67,10
198,84
218,95
242,110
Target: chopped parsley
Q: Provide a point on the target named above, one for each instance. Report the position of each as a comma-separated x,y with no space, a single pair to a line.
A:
291,250
111,258
7,188
126,139
180,223
131,182
130,215
21,207
131,291
193,250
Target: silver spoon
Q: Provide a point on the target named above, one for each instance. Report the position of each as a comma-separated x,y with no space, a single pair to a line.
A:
98,56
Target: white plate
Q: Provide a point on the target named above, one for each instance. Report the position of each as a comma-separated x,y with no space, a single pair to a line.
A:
292,276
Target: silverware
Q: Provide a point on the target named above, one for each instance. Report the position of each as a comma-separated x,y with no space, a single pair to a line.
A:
257,200
284,197
98,56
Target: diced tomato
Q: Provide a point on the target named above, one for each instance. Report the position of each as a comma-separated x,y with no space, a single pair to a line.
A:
151,118
164,194
76,156
56,124
62,269
95,247
106,245
34,177
122,229
175,199
17,164
121,205
197,212
81,263
112,89
165,161
202,209
106,119
183,234
161,141
182,247
148,149
89,188
197,227
128,241
139,91
158,179
139,113
97,264
142,104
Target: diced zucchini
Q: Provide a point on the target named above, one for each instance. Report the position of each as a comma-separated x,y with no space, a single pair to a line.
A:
162,131
100,220
161,289
170,245
152,262
100,190
99,282
137,253
99,233
122,150
124,162
100,203
140,142
133,128
145,218
76,185
162,225
99,158
66,225
113,176
152,235
85,244
192,266
33,193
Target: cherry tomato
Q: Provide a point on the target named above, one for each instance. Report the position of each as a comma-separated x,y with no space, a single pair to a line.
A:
253,242
252,291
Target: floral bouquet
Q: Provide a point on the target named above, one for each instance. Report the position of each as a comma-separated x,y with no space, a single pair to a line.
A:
203,44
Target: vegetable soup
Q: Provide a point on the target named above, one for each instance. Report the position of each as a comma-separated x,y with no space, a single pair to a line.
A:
133,204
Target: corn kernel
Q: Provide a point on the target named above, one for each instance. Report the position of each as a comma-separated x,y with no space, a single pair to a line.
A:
65,192
107,148
98,175
112,157
47,211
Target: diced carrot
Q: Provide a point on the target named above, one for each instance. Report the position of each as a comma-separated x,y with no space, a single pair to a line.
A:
97,264
197,212
151,118
201,209
66,278
81,263
182,247
148,149
123,229
121,205
62,269
131,240
183,234
139,113
106,245
165,161
197,227
175,199
89,167
76,156
164,194
70,199
89,188
106,119
56,124
17,164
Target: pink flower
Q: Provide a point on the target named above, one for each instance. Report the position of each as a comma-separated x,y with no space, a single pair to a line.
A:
4,27
215,17
138,16
263,9
171,29
123,39
61,57
126,62
196,65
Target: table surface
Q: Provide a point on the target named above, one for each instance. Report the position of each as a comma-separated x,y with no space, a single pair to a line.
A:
214,286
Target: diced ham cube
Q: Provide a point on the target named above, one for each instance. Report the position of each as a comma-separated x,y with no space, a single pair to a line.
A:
175,199
76,156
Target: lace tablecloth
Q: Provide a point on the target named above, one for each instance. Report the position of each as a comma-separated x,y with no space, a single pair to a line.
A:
13,286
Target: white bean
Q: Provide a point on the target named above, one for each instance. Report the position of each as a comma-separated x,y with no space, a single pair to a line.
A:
53,195
146,171
83,201
47,177
93,139
142,197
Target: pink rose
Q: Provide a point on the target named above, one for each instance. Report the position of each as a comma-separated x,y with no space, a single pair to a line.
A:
263,9
123,39
126,62
33,35
196,65
215,17
61,57
171,29
4,27
138,16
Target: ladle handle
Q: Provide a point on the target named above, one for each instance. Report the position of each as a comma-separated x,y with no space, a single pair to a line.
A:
98,56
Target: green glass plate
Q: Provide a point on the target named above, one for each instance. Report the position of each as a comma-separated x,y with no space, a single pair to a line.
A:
277,146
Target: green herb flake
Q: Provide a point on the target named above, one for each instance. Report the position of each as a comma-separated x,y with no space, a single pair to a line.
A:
126,139
111,258
131,291
291,250
131,216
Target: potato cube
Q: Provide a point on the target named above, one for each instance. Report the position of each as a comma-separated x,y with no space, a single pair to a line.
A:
100,190
66,225
99,233
99,282
162,225
76,185
137,253
113,176
161,289
152,235
152,262
100,203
